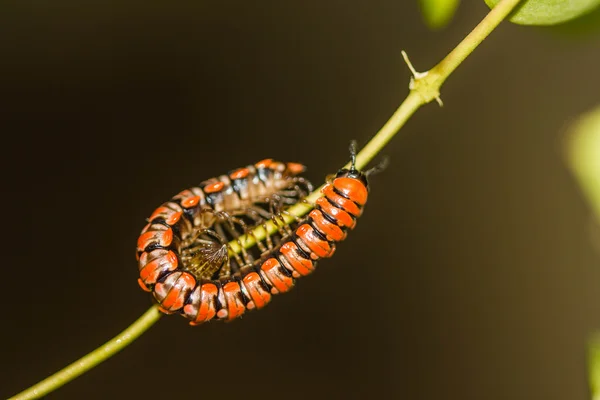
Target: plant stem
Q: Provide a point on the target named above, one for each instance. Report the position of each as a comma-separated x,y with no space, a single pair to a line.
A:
92,359
387,132
425,87
443,70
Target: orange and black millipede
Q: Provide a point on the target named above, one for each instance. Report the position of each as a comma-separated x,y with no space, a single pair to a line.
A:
181,258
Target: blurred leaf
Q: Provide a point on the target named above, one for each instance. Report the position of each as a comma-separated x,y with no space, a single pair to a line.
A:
438,13
586,25
594,366
584,155
548,12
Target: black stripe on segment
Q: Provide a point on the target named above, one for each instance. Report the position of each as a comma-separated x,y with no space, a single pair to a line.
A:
266,285
238,185
155,246
215,198
164,276
301,251
189,298
176,230
170,206
175,227
218,305
320,235
161,222
282,268
180,263
339,208
263,175
283,261
244,298
157,220
210,201
188,213
345,196
329,218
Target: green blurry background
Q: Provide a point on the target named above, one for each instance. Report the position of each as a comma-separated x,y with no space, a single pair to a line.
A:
471,274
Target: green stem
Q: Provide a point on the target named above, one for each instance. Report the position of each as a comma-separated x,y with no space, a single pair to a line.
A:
425,87
92,359
443,70
399,118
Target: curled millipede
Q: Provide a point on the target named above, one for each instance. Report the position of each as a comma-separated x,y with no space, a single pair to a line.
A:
183,253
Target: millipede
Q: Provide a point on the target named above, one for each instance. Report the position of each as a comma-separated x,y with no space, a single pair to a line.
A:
183,254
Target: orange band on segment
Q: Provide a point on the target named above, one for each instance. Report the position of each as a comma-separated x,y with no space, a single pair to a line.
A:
163,238
153,268
291,254
175,297
170,216
346,204
207,310
240,173
295,168
352,188
340,216
330,230
264,163
214,187
258,294
235,306
190,201
280,281
318,246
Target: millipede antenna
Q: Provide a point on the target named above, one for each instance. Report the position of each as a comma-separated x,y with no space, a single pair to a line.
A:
379,167
353,155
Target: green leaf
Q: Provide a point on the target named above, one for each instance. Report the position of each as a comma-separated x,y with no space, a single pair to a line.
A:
548,12
438,13
584,155
583,27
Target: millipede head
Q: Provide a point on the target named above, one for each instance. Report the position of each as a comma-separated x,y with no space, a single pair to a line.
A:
353,172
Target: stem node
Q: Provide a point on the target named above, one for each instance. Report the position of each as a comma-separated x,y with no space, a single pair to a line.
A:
425,84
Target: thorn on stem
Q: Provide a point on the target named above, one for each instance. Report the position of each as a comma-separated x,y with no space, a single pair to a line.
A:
409,64
417,76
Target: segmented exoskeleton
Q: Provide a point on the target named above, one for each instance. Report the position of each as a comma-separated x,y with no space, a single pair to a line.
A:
250,281
189,232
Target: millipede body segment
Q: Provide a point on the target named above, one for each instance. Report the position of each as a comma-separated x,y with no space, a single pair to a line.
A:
184,263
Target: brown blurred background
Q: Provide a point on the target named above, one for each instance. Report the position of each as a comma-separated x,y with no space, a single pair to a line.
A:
470,276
